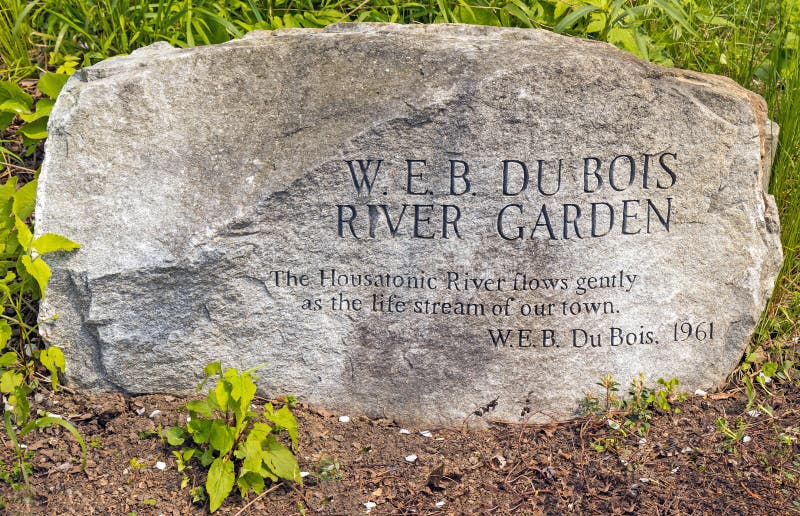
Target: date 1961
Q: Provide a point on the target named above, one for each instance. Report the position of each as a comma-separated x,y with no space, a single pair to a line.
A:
700,331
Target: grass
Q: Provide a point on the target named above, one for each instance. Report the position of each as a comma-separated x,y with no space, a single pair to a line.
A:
16,47
755,42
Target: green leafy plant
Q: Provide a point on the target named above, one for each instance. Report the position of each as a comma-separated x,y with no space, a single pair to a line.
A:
16,102
23,279
731,436
633,412
227,439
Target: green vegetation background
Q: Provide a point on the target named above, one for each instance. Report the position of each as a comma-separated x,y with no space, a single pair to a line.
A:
753,42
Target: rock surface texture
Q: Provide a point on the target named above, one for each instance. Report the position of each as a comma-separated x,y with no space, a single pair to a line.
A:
429,223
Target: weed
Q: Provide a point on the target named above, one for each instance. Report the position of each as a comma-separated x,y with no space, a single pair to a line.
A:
229,442
731,436
634,412
328,469
25,276
137,464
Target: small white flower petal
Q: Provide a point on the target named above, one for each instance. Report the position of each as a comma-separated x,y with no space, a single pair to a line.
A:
140,411
411,458
404,431
439,504
700,392
344,419
426,433
746,439
304,474
161,465
154,413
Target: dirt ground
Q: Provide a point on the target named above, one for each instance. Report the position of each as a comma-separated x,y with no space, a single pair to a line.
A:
683,464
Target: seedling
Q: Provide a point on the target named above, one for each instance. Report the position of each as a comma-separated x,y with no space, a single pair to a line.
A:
230,443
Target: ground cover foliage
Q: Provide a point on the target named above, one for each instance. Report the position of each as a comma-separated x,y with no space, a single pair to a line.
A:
743,443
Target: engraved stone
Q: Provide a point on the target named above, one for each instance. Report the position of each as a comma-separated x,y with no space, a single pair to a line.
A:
429,223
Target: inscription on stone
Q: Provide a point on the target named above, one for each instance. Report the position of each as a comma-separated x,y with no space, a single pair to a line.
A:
429,223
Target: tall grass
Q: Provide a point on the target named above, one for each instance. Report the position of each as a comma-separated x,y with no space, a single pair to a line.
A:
756,44
16,47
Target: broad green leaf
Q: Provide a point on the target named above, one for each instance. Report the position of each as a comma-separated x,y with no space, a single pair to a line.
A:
9,90
10,380
475,15
22,407
8,189
260,431
13,106
769,369
249,480
625,38
176,435
39,270
222,393
284,418
51,242
53,359
220,482
597,24
5,120
51,83
280,460
221,437
200,407
25,200
212,368
252,454
36,130
5,333
200,430
236,381
24,235
43,108
8,359
206,458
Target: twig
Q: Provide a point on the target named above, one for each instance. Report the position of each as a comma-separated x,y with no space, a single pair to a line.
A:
40,376
257,498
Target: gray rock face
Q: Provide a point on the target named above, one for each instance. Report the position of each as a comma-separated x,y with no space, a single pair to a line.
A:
418,222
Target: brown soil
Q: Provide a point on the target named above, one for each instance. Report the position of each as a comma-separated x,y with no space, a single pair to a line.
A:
683,464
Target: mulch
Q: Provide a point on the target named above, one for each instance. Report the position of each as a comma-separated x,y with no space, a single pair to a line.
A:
682,464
